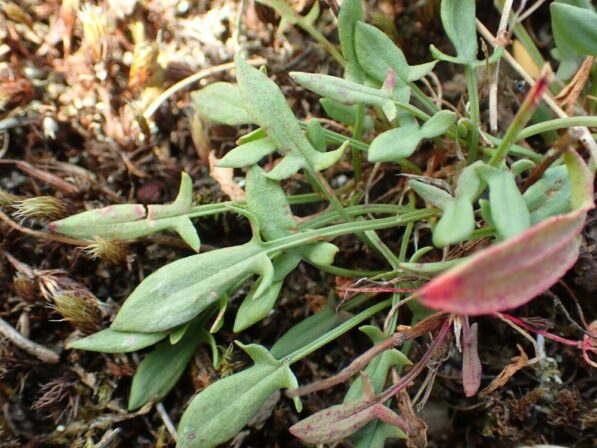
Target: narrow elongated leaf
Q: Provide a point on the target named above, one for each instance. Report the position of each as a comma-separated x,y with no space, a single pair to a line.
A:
307,331
112,341
220,411
351,12
471,365
265,103
130,221
377,54
458,19
179,291
509,212
161,369
221,102
348,92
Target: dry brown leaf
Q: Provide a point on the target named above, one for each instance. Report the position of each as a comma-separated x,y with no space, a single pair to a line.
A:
225,178
570,93
518,362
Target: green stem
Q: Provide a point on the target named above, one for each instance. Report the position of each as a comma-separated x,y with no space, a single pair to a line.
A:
475,113
337,332
356,134
329,216
424,99
558,123
312,236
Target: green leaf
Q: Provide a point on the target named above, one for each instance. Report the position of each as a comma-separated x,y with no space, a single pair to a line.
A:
468,184
456,224
438,124
351,12
399,143
268,107
344,113
130,221
346,92
307,331
220,411
396,144
509,212
221,102
432,195
377,54
316,136
179,291
111,341
575,27
458,19
247,154
252,309
176,335
550,195
570,59
161,369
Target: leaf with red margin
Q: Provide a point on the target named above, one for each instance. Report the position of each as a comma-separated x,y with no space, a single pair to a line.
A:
513,272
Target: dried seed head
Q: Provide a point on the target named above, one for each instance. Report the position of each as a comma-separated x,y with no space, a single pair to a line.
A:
41,207
145,70
97,30
15,13
25,286
107,250
80,308
7,198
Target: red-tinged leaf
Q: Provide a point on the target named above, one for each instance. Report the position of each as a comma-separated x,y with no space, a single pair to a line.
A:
340,421
471,365
511,273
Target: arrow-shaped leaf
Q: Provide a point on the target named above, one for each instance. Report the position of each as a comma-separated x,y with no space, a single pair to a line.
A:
219,412
130,221
341,421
